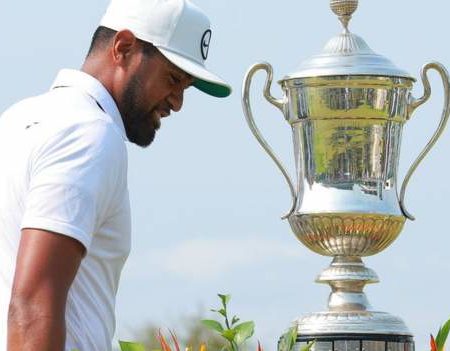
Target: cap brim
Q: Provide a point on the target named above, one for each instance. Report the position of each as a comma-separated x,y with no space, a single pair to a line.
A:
204,80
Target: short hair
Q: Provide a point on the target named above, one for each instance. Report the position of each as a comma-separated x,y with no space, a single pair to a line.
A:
103,36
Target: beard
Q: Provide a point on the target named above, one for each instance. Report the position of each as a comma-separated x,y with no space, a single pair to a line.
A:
140,124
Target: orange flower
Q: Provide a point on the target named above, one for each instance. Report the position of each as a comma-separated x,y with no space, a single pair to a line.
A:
175,340
162,340
433,343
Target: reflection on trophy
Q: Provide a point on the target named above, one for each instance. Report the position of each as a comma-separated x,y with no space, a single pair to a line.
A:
347,107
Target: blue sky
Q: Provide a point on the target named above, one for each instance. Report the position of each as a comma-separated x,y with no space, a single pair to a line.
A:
207,201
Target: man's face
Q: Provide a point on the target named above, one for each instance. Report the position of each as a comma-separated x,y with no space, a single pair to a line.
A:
153,90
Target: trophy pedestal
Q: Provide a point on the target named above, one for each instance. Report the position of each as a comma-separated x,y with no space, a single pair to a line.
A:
350,324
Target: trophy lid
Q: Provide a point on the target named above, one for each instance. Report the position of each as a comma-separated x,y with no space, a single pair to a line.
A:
347,53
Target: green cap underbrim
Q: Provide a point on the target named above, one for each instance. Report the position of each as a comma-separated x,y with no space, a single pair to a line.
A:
212,89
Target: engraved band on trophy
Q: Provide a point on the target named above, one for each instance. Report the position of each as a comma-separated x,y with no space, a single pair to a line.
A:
347,107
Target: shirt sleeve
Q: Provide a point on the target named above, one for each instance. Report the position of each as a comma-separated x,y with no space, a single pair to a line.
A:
75,179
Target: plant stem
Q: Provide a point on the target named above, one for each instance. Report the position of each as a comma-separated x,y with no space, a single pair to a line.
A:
227,323
234,346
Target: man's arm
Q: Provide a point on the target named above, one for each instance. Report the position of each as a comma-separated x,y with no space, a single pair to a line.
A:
46,267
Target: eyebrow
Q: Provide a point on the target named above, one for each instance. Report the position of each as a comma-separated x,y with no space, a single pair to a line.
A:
183,75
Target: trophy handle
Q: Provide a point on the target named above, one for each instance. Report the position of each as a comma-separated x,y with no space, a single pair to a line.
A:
279,103
444,118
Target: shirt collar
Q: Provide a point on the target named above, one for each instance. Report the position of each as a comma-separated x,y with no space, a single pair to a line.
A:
93,87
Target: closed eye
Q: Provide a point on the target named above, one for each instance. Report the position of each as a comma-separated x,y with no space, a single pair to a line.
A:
174,79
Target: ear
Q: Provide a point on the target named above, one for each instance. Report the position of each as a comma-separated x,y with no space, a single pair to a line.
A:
124,46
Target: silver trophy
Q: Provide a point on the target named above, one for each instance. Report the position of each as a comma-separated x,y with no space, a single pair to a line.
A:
347,107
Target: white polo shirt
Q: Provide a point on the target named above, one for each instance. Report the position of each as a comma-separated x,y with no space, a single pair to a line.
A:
63,168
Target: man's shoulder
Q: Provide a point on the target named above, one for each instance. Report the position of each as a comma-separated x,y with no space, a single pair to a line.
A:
61,112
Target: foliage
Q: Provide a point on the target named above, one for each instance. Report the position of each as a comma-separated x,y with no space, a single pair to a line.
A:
198,334
131,346
439,343
235,333
288,339
193,334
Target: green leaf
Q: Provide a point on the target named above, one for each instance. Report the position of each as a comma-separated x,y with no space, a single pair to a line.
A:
221,311
244,331
308,346
288,339
225,299
131,346
234,320
229,334
442,336
214,325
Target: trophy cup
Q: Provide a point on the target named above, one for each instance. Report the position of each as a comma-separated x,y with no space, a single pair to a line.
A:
347,107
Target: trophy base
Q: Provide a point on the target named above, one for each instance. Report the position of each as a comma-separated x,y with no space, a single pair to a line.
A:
351,324
353,331
336,323
356,342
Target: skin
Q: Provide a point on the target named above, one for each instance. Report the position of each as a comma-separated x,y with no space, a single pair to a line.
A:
46,266
145,90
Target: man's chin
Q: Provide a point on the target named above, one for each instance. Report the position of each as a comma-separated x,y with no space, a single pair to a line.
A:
142,138
144,143
142,131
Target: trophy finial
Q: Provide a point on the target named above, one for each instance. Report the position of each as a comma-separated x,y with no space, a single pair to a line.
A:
344,9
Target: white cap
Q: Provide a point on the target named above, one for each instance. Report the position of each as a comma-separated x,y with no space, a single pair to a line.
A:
179,29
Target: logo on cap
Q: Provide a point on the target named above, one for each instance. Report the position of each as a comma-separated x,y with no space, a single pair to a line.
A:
204,44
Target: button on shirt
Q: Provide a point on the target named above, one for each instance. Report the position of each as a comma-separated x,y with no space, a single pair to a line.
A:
64,169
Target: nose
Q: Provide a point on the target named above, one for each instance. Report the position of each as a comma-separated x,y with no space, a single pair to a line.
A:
176,100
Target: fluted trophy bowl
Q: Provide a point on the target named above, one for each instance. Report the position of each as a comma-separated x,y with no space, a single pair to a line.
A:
346,234
347,133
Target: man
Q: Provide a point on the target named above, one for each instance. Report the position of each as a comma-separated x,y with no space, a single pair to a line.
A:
64,211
